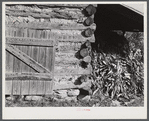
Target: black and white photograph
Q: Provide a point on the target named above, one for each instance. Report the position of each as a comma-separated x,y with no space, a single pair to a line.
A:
75,58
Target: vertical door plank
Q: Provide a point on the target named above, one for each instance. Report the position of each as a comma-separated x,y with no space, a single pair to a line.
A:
9,62
34,48
8,87
18,34
16,64
42,56
33,87
41,88
22,64
24,67
53,59
35,54
49,58
25,87
25,30
30,54
39,34
36,34
25,49
16,87
49,87
48,34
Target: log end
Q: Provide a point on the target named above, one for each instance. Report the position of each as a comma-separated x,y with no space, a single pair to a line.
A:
90,10
89,21
88,32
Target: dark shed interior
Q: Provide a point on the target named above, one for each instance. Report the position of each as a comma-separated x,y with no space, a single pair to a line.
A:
112,21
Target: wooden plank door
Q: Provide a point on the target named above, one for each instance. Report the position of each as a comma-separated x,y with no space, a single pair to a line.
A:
29,61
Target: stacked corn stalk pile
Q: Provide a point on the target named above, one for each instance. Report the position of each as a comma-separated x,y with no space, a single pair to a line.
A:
118,77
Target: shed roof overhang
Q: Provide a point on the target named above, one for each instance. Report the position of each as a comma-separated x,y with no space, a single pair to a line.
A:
118,17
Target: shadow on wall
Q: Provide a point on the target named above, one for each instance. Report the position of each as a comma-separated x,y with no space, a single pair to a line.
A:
112,17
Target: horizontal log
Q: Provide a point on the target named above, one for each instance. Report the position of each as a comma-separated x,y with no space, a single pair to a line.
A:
59,35
29,41
67,5
61,56
47,15
66,63
59,72
75,12
70,85
29,76
37,15
35,9
49,26
59,86
69,46
26,59
67,58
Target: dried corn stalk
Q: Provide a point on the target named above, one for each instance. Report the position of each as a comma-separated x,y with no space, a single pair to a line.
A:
116,76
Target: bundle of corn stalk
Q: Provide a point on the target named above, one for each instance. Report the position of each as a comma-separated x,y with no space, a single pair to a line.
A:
118,77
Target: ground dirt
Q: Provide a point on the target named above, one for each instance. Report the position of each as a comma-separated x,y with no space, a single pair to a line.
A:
49,101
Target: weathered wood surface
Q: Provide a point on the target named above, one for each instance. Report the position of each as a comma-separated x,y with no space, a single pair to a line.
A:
9,62
66,63
48,26
29,41
42,57
66,59
49,59
16,87
28,87
71,71
29,76
26,59
16,62
71,85
33,87
53,10
55,35
59,86
41,87
69,46
46,15
48,87
25,87
8,87
67,5
42,26
61,55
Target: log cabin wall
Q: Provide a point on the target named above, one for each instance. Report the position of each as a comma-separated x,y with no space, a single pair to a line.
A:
46,44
